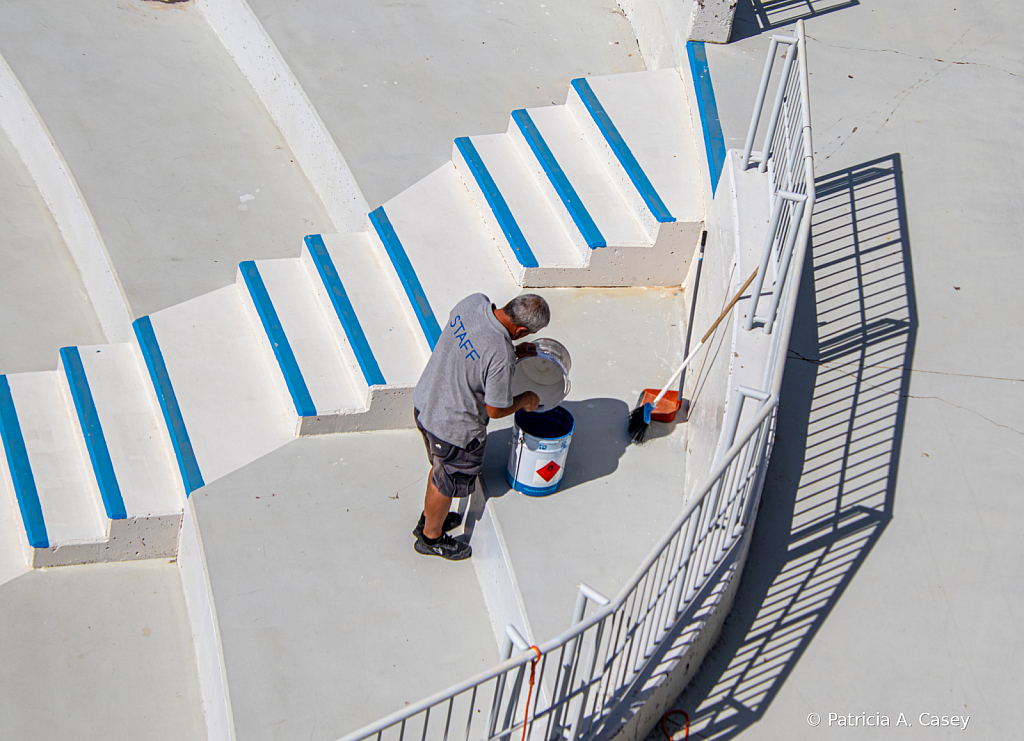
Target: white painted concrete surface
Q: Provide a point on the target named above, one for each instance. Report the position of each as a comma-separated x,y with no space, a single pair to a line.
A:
447,243
98,652
332,384
224,382
882,577
268,72
42,157
68,493
181,166
45,305
328,617
134,431
375,72
395,338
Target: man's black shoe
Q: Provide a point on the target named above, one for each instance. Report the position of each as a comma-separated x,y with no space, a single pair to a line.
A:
446,547
451,521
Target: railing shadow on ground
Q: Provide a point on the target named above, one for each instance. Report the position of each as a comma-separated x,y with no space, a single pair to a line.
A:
830,487
754,17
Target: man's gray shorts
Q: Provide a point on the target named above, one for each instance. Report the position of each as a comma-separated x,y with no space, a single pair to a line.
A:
453,469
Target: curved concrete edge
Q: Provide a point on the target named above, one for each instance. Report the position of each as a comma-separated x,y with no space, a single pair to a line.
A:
494,572
32,140
259,59
202,617
680,655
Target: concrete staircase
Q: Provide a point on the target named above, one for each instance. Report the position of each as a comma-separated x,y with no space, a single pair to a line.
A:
607,190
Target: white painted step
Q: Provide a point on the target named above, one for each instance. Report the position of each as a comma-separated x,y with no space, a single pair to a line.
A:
68,494
232,402
584,171
652,114
398,346
549,237
133,429
15,553
333,384
448,243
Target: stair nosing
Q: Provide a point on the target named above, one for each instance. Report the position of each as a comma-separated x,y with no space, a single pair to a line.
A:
92,432
21,470
331,280
622,151
188,466
406,275
496,201
286,362
559,180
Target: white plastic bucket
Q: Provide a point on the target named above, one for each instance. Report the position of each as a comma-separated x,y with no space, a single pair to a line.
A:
540,444
546,373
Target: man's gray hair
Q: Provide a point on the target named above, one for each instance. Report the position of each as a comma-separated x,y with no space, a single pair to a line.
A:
529,310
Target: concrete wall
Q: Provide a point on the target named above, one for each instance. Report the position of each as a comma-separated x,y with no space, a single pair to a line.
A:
663,27
708,378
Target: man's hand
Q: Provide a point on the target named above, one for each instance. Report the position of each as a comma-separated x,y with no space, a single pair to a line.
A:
528,400
526,350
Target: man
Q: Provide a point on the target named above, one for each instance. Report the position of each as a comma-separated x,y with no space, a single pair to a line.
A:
468,382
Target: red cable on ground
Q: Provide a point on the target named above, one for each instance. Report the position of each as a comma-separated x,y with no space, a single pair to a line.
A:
665,730
533,669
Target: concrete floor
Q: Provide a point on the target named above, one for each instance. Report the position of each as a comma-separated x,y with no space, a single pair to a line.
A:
614,498
328,617
395,83
884,574
183,168
98,652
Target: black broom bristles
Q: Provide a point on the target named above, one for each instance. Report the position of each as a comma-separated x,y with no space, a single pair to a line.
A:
640,424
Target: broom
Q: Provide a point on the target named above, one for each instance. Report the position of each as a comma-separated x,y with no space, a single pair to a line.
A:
640,418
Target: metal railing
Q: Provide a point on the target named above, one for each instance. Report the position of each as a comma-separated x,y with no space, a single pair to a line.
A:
576,686
788,158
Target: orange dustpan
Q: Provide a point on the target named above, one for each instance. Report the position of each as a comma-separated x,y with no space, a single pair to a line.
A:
665,410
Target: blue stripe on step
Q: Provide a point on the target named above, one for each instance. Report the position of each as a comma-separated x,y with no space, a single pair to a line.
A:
714,140
92,431
591,234
507,222
21,470
407,276
622,152
343,308
293,379
187,464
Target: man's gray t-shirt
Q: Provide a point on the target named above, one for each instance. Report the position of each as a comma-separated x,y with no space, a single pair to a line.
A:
471,366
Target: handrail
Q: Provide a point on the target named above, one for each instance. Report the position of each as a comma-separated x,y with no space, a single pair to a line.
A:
788,158
597,617
599,658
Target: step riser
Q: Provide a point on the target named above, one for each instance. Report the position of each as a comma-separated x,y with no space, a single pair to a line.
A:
664,264
129,540
616,173
390,409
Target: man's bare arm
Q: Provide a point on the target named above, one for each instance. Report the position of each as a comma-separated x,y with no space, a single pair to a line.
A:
527,400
